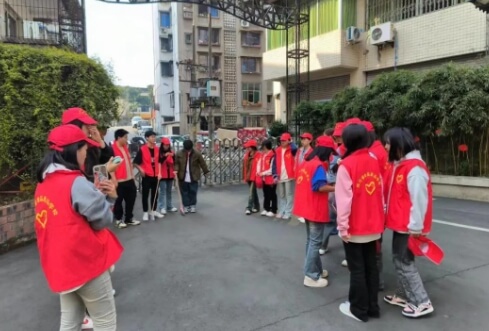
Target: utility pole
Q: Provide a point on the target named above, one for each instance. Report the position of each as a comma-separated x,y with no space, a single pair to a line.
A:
211,115
193,84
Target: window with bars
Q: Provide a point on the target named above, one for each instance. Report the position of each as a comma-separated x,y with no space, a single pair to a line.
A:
204,10
166,44
251,39
381,11
203,36
216,61
250,65
251,93
166,69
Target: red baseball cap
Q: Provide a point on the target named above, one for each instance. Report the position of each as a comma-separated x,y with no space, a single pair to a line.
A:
285,137
71,114
250,143
307,135
68,134
165,141
424,246
354,120
338,129
369,126
325,141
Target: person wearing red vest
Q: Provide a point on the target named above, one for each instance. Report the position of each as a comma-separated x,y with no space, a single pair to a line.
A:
283,169
409,213
126,187
166,162
76,249
311,202
302,153
146,161
360,208
250,163
264,170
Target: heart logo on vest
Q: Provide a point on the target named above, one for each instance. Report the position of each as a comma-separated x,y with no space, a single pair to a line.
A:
42,218
299,179
370,188
399,179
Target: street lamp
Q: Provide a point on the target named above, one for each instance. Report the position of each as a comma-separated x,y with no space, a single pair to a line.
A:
481,5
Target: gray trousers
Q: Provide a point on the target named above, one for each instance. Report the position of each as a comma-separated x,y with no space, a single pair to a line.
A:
285,198
410,285
96,296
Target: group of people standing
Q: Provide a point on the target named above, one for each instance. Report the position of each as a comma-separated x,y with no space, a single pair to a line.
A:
353,185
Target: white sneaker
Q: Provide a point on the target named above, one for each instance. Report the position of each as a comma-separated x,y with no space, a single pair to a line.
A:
248,212
87,323
158,215
325,274
173,209
286,217
309,282
344,263
120,224
193,209
323,251
145,217
302,219
113,292
264,213
345,309
163,211
270,214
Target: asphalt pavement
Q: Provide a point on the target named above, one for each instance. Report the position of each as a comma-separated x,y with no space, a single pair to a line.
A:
219,269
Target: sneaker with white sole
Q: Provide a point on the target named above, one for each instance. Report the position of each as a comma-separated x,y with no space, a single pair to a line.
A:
395,300
163,211
344,263
133,222
120,224
286,217
413,311
173,209
264,213
87,323
113,292
157,214
193,209
145,217
345,309
254,210
248,212
325,274
270,214
309,282
302,219
323,251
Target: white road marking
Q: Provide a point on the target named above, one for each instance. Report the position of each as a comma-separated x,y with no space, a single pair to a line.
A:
475,228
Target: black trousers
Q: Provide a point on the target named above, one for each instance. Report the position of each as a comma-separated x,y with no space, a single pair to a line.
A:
189,193
149,184
126,192
253,201
270,198
364,279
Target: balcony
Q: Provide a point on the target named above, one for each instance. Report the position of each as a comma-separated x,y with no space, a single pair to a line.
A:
187,14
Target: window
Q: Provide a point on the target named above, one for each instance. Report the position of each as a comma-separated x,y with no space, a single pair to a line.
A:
251,94
250,65
172,100
188,38
203,36
166,69
269,98
216,61
166,44
204,10
251,39
165,19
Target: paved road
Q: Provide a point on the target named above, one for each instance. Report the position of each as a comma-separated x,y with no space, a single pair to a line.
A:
221,270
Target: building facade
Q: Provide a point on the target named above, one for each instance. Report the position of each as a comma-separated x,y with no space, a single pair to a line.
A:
384,35
44,23
182,71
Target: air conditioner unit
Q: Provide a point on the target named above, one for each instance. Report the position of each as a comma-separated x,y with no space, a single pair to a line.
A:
382,33
353,34
245,24
213,88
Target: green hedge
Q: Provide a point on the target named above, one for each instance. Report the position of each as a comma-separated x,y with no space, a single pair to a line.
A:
446,107
36,85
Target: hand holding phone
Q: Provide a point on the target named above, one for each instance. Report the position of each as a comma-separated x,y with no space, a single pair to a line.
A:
113,164
100,173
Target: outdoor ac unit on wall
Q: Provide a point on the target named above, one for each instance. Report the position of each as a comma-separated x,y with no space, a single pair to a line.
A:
353,35
245,24
382,33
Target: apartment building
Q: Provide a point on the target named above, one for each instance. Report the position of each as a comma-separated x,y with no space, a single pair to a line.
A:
44,23
361,39
181,69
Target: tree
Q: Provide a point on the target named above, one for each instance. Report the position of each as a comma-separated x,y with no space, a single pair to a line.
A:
277,128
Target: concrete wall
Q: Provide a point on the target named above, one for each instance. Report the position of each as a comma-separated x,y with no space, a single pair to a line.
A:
16,225
459,187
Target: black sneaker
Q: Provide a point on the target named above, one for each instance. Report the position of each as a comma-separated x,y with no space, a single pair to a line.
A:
133,222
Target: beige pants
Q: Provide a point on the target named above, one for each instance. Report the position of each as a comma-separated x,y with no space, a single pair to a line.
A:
96,297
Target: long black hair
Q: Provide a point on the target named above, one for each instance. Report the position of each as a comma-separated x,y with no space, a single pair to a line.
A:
323,153
355,137
401,142
66,157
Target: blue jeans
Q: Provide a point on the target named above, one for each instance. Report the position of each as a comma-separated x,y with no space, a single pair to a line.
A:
331,227
313,267
164,198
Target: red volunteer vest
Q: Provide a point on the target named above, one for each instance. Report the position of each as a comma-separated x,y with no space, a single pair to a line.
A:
167,167
289,162
121,171
399,202
381,154
367,208
71,252
149,156
297,156
313,206
265,165
254,164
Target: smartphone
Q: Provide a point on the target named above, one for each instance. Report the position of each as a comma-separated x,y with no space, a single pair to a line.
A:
101,172
117,160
